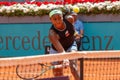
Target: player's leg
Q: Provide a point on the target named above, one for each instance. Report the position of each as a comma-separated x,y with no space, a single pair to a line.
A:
56,71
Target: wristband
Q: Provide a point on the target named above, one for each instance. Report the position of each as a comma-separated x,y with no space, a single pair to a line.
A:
75,33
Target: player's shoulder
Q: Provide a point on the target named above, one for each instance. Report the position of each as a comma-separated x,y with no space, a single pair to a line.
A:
51,31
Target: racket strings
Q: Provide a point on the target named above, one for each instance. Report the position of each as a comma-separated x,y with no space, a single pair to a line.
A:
29,71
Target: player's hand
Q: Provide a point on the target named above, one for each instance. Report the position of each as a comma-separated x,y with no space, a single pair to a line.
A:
73,50
63,52
76,34
66,62
77,37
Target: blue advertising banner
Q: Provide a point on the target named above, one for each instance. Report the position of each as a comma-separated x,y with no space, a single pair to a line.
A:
23,39
101,36
31,39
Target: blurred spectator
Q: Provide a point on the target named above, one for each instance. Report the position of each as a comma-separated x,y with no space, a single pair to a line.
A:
79,28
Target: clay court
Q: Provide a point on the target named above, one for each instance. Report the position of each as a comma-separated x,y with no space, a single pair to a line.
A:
101,66
9,73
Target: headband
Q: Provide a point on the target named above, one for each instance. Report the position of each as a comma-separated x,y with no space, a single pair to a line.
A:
53,12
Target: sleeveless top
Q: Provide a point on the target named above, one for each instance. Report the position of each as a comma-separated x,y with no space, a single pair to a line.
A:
66,35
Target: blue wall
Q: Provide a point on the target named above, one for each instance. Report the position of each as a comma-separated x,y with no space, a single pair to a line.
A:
31,39
101,36
23,39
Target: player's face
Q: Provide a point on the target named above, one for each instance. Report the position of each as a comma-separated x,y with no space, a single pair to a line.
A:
57,20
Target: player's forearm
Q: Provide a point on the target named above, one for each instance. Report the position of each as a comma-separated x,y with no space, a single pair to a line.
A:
58,47
54,39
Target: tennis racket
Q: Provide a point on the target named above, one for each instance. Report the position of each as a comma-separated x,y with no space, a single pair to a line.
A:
33,71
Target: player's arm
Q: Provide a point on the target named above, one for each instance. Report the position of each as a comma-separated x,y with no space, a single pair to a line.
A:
54,39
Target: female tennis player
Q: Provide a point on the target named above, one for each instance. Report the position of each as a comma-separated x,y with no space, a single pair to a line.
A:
61,36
